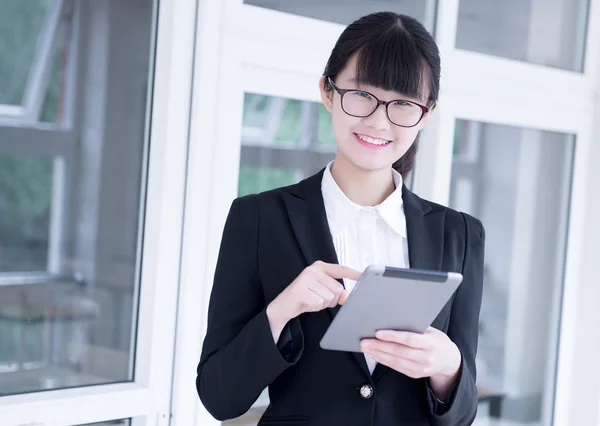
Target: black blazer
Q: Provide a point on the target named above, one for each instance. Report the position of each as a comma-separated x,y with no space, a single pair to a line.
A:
268,240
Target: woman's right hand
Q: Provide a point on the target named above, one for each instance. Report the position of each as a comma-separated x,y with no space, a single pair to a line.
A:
315,289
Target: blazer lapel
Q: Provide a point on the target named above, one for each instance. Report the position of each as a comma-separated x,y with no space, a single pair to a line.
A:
308,218
306,211
425,233
425,229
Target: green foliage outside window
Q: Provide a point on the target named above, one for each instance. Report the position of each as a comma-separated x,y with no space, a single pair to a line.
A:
289,127
253,180
256,109
20,25
325,127
25,196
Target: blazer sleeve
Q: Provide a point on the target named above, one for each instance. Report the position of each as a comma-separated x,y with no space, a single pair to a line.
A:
239,356
460,408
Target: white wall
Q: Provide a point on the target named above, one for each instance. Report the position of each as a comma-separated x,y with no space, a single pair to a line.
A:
586,373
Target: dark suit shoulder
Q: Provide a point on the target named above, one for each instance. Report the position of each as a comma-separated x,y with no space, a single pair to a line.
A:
273,198
266,199
454,219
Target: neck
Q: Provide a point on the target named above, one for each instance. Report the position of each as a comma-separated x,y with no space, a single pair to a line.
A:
363,187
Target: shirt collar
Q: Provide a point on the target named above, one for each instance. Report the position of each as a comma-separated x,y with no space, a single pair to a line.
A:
341,211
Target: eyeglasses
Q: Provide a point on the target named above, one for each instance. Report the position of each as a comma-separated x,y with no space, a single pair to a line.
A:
400,112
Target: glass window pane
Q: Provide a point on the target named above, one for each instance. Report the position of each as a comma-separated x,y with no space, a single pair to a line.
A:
54,104
347,11
283,141
544,32
517,181
20,25
69,222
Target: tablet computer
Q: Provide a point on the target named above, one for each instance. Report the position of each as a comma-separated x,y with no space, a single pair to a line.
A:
387,298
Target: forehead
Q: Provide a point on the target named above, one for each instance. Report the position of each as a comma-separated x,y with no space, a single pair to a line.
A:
346,79
349,82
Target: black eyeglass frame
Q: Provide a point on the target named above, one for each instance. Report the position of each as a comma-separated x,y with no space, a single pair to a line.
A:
342,92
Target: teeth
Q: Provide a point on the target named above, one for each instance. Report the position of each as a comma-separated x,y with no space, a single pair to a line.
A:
372,140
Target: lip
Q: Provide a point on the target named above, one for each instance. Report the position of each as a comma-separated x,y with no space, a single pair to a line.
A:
367,144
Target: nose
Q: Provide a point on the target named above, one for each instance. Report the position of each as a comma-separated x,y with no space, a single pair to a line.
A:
379,119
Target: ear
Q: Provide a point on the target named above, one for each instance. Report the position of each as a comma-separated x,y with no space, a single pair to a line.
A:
326,96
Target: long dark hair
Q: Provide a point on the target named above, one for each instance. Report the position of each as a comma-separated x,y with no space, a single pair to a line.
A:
395,53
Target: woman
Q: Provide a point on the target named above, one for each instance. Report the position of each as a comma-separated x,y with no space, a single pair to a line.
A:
290,256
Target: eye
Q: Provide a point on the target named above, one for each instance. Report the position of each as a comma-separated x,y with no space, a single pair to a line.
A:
402,103
363,94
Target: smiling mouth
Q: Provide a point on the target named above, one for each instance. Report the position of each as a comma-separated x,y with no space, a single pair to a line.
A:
372,141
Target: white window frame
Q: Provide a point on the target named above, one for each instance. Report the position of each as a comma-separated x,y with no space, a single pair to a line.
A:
243,48
148,398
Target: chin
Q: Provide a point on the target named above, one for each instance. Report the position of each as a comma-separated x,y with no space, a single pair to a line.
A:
370,164
366,162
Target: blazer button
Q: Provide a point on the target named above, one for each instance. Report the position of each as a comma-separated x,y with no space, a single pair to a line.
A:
366,391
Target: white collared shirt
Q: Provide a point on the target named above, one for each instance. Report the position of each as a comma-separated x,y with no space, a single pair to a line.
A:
364,236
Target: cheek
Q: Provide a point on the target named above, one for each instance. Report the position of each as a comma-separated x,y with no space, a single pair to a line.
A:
343,125
405,138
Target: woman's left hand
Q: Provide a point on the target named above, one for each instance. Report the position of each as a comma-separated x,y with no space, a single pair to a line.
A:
431,354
